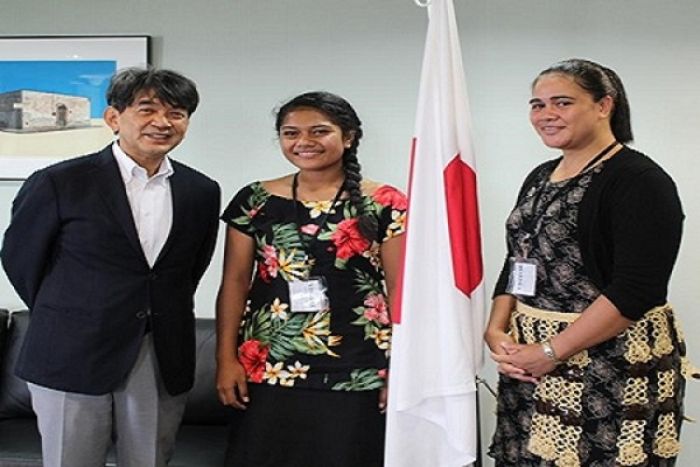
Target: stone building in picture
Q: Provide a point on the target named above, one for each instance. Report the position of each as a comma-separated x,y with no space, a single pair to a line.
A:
26,111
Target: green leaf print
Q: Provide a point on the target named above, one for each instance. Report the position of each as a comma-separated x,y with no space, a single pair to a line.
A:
303,332
360,310
371,330
257,198
300,345
281,349
286,236
361,380
242,220
370,327
373,206
349,211
364,282
326,234
282,335
260,328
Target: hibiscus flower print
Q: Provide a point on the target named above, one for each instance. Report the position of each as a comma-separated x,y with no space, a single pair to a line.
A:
390,196
376,309
269,266
253,355
348,240
300,350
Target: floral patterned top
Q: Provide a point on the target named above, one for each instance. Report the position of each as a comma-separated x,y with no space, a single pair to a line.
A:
343,347
562,281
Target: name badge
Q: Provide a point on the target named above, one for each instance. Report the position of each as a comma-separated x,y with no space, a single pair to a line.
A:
523,277
308,296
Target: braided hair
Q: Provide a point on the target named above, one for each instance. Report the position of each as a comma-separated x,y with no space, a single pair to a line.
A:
341,113
599,82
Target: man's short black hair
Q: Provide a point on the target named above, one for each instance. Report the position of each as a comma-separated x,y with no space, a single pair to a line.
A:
169,86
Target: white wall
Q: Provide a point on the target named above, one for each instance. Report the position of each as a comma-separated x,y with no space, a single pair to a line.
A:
248,55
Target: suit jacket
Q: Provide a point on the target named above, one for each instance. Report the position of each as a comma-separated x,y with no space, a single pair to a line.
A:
72,253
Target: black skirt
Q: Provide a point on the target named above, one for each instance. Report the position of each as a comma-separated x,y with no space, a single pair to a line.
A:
294,427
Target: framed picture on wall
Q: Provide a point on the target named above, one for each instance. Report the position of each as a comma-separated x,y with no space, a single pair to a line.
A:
52,96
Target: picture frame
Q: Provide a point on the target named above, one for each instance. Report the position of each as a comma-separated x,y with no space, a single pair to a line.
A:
52,92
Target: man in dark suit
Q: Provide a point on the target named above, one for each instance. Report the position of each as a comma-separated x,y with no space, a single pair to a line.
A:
107,251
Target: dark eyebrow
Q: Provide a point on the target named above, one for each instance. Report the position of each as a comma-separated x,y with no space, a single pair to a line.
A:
553,98
313,127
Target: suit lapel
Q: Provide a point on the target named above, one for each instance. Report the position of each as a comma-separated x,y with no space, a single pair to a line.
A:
114,194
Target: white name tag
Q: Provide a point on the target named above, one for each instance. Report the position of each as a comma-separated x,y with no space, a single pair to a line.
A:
523,277
308,296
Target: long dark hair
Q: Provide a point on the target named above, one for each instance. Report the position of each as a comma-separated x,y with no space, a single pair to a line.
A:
341,113
599,82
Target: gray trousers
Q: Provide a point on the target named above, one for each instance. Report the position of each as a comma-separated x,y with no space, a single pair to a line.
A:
140,417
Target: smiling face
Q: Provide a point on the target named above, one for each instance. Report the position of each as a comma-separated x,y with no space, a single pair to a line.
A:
148,129
565,115
311,141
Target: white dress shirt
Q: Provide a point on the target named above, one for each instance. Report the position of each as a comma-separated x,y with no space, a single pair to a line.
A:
150,200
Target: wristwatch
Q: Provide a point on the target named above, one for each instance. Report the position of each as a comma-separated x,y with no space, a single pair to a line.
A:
549,352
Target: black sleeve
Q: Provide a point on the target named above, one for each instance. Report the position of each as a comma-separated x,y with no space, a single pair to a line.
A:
646,221
28,243
244,206
207,249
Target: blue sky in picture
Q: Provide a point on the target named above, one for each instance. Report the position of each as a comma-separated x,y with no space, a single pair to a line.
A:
86,78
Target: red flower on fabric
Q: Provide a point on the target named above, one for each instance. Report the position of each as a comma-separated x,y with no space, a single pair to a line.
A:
253,354
376,309
263,272
390,196
348,240
270,266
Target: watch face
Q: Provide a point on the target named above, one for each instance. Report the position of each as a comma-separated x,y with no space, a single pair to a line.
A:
549,351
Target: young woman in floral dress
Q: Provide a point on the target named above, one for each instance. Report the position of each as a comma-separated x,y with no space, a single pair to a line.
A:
303,346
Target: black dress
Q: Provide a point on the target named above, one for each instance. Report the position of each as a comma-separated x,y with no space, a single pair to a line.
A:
314,377
617,403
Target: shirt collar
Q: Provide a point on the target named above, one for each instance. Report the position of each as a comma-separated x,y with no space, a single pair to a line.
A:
128,168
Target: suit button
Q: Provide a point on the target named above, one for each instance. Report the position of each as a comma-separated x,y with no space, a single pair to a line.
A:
141,314
153,276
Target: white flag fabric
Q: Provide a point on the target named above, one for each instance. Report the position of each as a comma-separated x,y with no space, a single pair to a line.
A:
439,308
